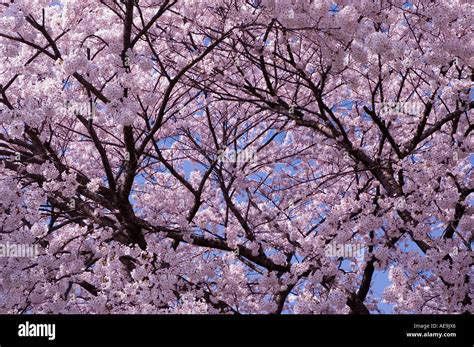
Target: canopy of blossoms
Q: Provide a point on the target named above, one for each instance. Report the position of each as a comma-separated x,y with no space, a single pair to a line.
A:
236,156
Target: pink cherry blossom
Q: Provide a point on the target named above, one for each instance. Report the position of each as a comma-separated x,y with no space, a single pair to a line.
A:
201,156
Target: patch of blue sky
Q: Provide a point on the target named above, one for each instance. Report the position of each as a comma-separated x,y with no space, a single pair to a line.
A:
381,281
207,41
279,138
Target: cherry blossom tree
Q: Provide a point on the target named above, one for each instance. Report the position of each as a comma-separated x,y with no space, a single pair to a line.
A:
174,156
